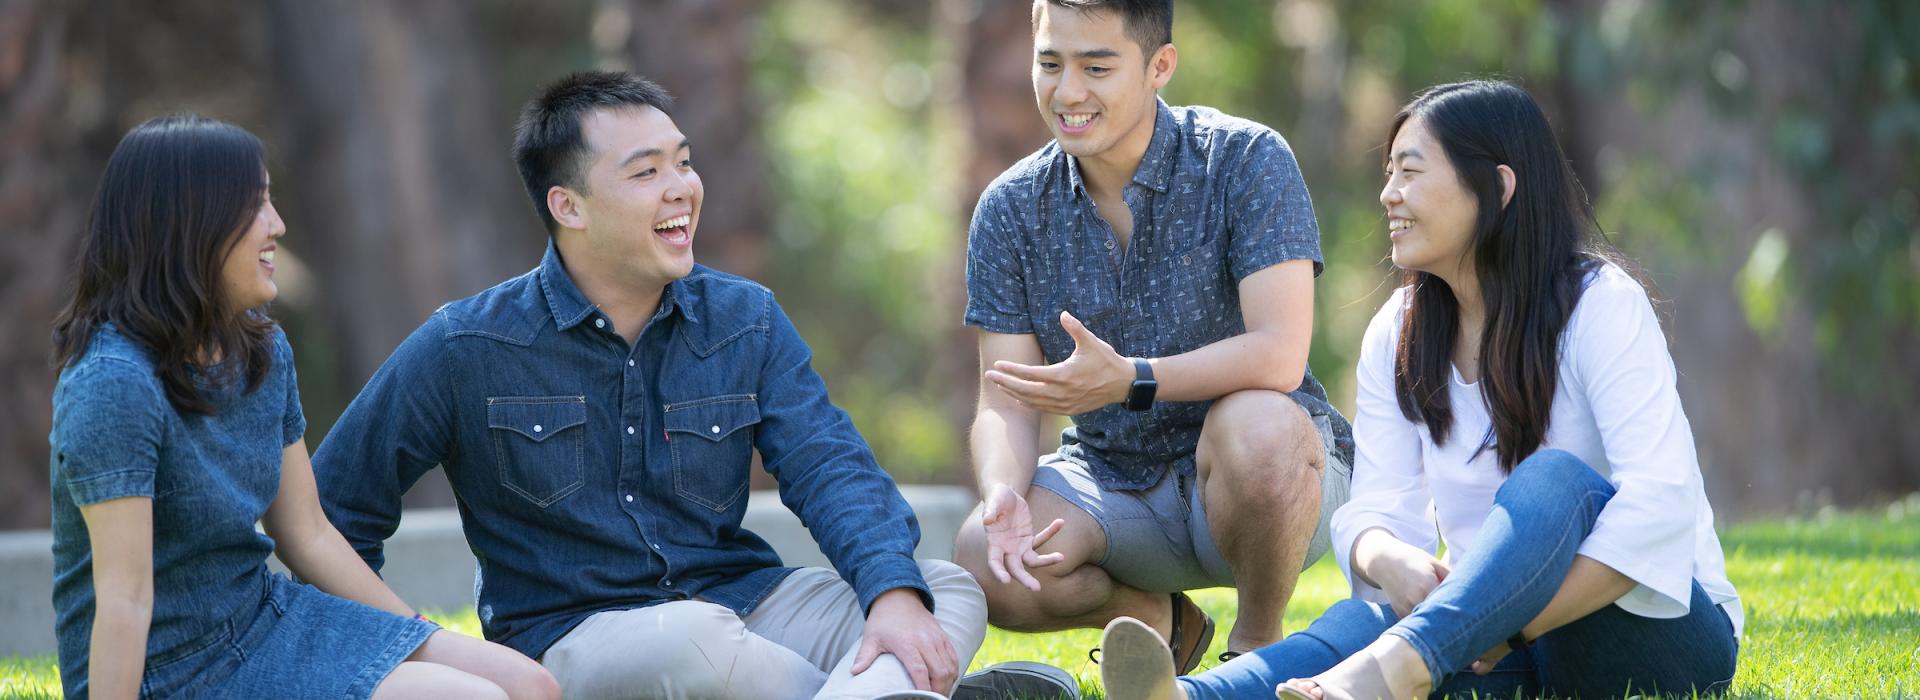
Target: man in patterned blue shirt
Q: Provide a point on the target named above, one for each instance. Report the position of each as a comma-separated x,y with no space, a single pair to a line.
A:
1150,274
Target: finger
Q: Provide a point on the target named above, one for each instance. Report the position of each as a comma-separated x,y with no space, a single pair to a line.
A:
1480,668
869,650
1020,572
1047,533
1440,570
916,667
994,555
1034,559
1077,330
1032,373
943,667
1023,389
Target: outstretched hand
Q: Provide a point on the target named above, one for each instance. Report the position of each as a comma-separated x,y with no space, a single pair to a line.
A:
1011,539
1092,377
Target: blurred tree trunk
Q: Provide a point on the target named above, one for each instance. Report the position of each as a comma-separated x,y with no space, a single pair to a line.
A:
45,191
1772,431
994,45
408,197
701,51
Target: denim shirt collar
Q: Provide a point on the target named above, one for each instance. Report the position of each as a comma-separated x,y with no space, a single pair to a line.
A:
571,307
1156,165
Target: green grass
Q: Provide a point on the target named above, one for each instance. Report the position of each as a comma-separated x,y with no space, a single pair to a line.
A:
1832,604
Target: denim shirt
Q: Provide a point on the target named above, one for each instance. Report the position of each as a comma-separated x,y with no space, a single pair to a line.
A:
115,435
594,476
1216,198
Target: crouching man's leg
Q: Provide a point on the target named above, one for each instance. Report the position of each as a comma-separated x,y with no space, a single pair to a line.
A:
1263,469
818,616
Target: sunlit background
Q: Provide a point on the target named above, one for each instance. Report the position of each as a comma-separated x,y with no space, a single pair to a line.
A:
1757,157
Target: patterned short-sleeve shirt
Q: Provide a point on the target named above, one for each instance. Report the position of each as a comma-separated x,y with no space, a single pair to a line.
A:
1216,198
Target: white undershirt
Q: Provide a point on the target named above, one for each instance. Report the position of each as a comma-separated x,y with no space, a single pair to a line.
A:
1615,407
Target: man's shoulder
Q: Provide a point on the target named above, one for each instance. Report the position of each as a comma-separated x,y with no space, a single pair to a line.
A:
1027,178
717,295
1217,133
512,310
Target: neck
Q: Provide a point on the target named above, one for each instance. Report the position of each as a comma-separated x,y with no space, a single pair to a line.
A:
1108,171
1466,293
628,302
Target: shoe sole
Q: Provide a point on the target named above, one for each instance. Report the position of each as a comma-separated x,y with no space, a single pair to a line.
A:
1135,663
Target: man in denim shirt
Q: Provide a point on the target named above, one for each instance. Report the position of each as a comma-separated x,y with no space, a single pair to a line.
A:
1150,274
597,418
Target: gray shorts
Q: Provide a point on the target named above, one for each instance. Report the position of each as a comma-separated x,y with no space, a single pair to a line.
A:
1157,537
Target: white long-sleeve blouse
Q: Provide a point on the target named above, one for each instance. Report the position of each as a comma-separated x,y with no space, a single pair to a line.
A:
1615,407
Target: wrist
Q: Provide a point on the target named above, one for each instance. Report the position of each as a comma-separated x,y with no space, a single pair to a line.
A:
1120,382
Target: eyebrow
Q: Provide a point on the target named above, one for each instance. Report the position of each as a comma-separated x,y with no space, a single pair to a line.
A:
1409,153
1092,53
651,152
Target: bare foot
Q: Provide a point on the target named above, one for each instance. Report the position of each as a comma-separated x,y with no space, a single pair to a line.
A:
1135,663
1388,669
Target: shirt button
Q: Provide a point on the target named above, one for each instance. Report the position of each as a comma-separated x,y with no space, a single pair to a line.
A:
666,583
629,430
599,323
630,500
629,363
1109,244
715,430
537,428
656,546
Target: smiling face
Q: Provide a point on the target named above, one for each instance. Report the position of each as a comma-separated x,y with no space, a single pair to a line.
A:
634,221
246,274
1430,213
1093,85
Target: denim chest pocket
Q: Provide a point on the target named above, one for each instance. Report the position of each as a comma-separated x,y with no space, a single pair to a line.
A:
711,441
539,445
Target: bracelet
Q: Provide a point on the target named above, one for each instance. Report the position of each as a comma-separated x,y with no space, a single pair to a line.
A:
1517,642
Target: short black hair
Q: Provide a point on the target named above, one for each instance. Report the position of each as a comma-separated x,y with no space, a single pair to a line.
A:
1149,22
549,146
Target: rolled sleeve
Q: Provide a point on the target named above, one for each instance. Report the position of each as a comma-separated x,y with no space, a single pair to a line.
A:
293,425
111,419
1647,530
996,282
1389,481
827,474
1270,216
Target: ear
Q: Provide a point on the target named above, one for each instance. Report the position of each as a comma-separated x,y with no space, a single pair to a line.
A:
1161,66
564,204
1508,182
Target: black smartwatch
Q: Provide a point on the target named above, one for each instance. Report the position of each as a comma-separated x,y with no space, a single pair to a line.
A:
1140,394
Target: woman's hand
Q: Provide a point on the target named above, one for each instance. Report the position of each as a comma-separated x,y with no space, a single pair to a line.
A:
1406,573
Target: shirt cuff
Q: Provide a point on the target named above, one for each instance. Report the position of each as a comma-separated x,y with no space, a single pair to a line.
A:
886,573
106,487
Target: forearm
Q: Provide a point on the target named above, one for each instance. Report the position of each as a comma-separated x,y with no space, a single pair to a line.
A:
1589,586
1252,360
118,652
1005,447
323,558
1369,549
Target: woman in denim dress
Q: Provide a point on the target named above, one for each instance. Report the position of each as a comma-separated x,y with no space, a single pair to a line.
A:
177,426
1517,401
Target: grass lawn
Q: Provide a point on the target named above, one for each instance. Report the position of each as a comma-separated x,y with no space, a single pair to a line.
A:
1832,604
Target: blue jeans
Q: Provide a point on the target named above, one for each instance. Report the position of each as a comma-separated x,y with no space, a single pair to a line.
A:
1508,579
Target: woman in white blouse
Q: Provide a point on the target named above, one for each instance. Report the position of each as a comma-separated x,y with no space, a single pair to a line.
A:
1516,401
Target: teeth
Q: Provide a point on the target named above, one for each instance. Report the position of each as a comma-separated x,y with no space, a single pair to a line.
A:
675,222
1076,120
266,257
1400,224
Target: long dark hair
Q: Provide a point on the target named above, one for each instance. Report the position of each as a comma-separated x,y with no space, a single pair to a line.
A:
177,195
1531,258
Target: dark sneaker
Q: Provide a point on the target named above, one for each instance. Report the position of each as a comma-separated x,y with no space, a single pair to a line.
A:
1018,680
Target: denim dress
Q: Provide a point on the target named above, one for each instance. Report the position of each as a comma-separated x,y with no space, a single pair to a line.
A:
222,625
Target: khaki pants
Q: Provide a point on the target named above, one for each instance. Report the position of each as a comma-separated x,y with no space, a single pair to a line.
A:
799,643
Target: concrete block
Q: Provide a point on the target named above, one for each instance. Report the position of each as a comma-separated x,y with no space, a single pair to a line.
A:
430,566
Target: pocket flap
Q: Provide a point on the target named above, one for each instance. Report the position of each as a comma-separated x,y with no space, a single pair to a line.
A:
713,418
538,418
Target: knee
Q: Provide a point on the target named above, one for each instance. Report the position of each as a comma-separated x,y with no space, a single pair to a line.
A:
1550,475
1261,441
522,679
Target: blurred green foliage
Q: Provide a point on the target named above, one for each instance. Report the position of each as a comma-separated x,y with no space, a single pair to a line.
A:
868,147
